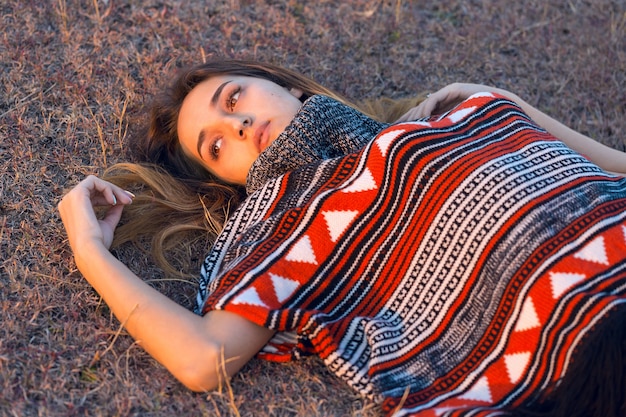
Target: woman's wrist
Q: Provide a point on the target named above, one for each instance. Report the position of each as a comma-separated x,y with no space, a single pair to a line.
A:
88,250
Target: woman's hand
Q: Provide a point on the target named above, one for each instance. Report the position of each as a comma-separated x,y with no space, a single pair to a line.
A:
609,159
443,100
79,218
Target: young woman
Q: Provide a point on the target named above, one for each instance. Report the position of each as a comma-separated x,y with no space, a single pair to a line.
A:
456,263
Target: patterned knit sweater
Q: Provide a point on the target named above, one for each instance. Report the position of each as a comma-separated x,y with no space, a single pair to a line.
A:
451,265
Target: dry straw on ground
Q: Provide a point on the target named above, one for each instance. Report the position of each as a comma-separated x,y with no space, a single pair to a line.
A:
75,75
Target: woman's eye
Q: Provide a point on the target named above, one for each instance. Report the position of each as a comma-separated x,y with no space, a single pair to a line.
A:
231,101
215,148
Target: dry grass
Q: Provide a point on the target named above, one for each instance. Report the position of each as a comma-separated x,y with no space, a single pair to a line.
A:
75,75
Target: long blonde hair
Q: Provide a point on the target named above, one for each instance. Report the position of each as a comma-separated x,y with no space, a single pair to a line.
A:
177,199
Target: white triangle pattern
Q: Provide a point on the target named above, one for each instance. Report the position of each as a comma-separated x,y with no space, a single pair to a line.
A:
479,392
594,251
302,251
338,221
268,348
460,114
250,297
283,287
365,182
421,123
442,410
561,281
384,140
528,318
516,364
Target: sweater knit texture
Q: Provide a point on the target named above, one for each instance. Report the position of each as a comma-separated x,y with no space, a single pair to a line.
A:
452,265
306,140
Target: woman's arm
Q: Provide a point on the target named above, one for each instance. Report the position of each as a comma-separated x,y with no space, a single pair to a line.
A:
604,156
196,350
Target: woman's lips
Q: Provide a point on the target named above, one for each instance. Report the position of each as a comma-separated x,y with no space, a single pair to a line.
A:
261,137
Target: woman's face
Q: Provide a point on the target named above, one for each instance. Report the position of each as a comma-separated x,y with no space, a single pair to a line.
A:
225,122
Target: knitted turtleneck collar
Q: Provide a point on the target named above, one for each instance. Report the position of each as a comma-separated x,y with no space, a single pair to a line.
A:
322,129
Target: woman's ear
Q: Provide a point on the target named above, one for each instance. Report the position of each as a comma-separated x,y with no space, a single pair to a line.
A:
296,92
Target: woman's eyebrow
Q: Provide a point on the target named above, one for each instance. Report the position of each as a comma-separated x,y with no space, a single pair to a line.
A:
214,99
217,93
201,138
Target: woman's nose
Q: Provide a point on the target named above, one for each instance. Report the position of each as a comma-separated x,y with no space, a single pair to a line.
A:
243,125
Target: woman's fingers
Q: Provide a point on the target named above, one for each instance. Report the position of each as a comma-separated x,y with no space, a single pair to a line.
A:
112,218
94,191
426,108
429,106
412,114
443,100
104,193
77,211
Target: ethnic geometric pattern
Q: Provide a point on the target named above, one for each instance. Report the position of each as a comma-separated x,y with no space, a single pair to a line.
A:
451,266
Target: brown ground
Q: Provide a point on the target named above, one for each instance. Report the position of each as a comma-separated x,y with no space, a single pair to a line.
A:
75,75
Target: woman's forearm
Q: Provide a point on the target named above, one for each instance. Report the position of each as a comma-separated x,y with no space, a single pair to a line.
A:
198,351
604,156
162,327
445,99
